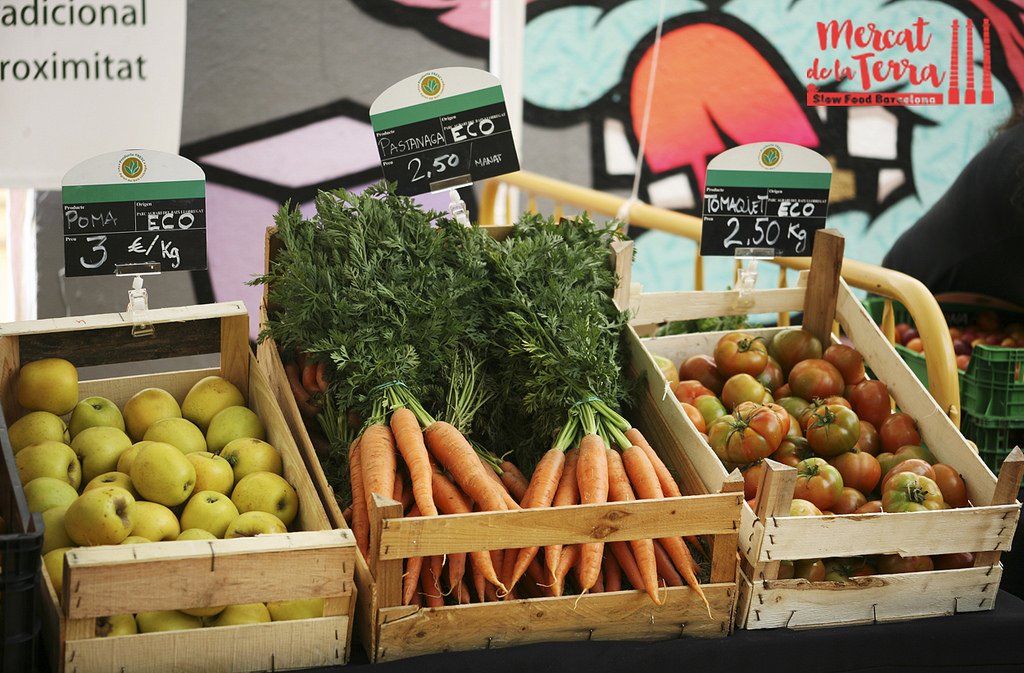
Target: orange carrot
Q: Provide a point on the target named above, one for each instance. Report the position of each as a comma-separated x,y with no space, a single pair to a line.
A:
666,570
377,449
510,502
598,587
567,493
538,494
432,597
436,564
450,500
461,593
321,376
309,377
455,453
592,479
514,480
627,563
645,480
537,581
347,515
612,573
306,408
619,490
570,557
409,438
360,515
498,561
398,492
411,579
456,569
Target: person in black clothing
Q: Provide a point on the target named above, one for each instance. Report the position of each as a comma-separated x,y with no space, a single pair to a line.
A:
972,239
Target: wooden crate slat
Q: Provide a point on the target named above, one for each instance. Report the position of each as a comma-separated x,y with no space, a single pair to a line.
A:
660,307
155,316
252,647
688,515
106,583
879,598
906,533
626,615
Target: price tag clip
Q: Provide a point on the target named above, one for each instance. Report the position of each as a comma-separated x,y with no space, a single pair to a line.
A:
138,309
457,208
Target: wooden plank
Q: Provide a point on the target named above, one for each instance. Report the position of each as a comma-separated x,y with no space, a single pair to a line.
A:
823,283
724,563
937,430
1006,492
624,615
387,569
878,598
622,264
308,643
687,515
235,353
904,533
774,497
157,316
113,580
661,307
10,363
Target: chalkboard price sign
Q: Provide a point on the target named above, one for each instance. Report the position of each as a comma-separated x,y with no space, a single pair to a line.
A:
443,129
755,208
112,227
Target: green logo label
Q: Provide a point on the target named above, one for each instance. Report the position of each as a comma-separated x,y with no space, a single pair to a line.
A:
132,167
770,156
431,85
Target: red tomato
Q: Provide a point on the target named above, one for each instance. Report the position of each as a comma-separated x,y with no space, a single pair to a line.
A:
849,501
962,361
894,563
817,482
751,479
695,416
951,483
870,507
741,388
702,368
916,345
794,405
870,399
784,416
790,346
711,408
842,569
815,378
964,559
848,361
800,507
812,570
739,353
689,390
771,376
860,470
915,451
832,429
869,441
794,427
782,391
915,465
792,451
745,437
898,429
886,460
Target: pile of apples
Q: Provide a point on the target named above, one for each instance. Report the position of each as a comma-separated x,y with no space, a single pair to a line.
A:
786,398
151,471
985,330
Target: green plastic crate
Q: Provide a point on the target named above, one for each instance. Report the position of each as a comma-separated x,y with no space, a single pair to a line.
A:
994,436
994,382
914,360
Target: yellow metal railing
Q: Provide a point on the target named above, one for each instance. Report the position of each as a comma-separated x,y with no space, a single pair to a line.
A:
892,285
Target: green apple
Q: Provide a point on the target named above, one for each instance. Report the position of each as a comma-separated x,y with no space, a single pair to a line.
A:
112,479
254,523
208,397
44,493
95,412
196,534
232,423
161,473
49,459
136,539
35,427
116,625
145,408
98,449
124,463
668,368
266,492
210,511
50,385
154,522
204,612
300,608
100,516
213,472
54,534
248,454
53,561
166,620
246,613
177,432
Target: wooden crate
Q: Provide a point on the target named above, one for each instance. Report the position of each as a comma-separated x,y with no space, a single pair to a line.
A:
769,535
390,631
312,561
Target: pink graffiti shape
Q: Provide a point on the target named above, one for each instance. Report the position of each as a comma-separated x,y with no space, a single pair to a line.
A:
472,17
711,82
1011,39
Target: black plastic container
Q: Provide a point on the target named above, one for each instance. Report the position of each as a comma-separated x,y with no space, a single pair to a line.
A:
21,540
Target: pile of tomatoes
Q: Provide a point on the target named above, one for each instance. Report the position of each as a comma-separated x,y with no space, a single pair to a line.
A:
788,399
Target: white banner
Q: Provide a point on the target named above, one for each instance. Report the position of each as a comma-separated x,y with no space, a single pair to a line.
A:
80,78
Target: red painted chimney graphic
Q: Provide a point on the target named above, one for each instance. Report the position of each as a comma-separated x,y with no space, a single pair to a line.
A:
954,66
969,93
986,68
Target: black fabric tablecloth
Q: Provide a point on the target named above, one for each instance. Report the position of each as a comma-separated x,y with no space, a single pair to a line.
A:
980,642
